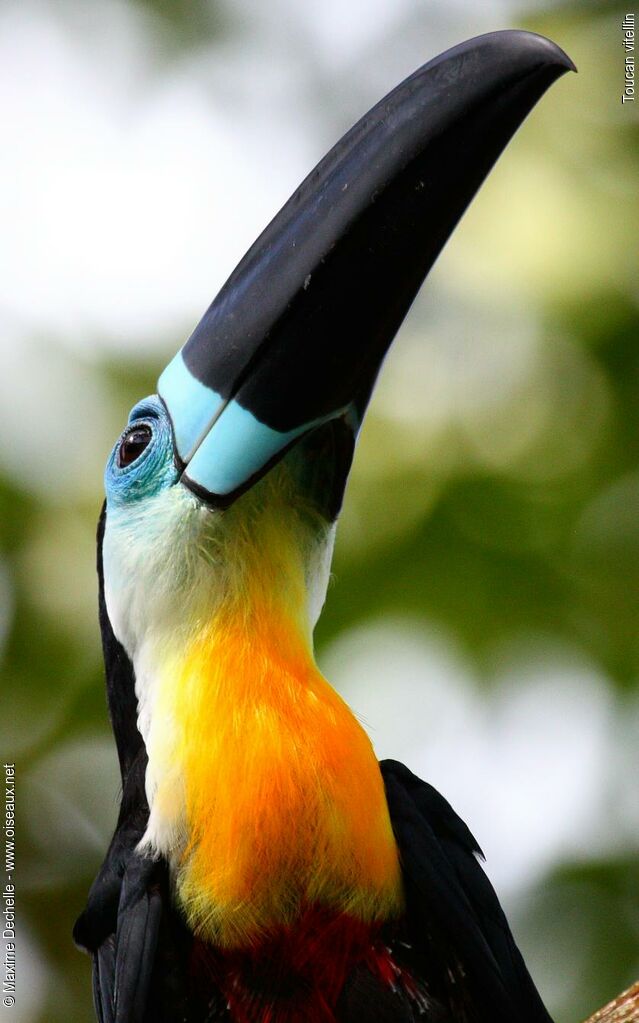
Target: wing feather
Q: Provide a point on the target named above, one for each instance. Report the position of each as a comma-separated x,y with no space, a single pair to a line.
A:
455,920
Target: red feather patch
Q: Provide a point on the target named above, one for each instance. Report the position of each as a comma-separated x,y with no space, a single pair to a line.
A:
298,973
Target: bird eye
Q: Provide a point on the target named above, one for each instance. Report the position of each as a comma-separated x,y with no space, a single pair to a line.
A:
133,444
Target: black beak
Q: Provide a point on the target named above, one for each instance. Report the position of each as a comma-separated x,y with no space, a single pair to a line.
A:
297,335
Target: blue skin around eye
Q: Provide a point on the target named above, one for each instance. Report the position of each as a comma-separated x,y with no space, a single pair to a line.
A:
236,447
154,469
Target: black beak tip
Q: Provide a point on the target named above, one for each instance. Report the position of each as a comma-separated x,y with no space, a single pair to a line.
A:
541,49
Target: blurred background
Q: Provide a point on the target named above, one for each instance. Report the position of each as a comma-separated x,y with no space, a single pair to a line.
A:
482,616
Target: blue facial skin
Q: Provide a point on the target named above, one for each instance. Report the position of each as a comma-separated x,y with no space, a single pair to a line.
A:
154,469
236,448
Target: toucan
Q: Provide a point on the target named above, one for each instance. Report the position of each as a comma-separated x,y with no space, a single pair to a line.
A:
265,867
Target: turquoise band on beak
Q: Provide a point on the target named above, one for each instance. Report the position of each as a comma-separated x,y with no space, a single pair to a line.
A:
237,449
192,406
221,444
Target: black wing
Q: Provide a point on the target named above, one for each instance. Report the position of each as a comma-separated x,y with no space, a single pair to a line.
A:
460,944
120,924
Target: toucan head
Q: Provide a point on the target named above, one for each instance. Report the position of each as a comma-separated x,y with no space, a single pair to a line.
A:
254,424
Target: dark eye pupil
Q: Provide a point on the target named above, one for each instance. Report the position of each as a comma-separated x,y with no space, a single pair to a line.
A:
133,444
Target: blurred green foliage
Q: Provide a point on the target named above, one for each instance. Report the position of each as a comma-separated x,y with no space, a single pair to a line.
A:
506,507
